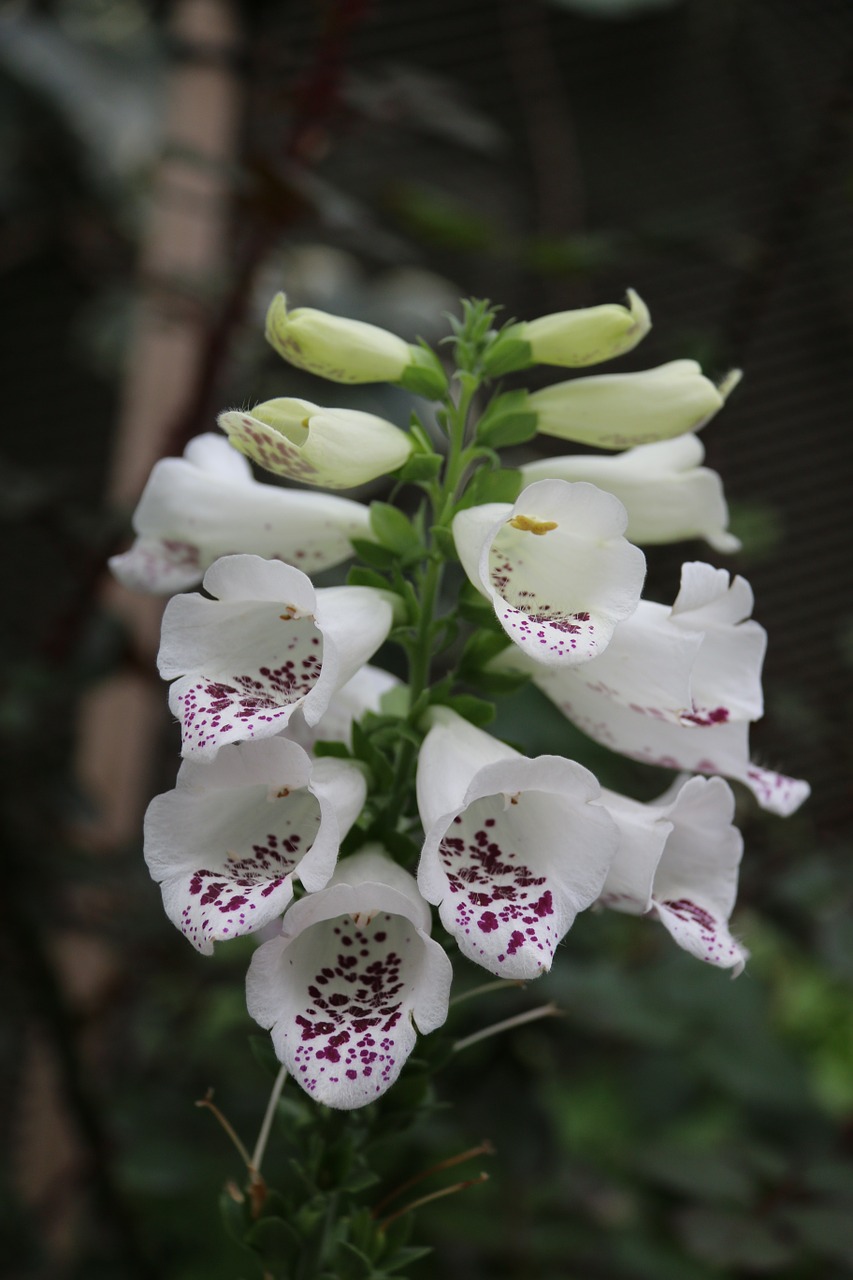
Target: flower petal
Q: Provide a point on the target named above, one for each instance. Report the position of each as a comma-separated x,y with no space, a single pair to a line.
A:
343,986
226,843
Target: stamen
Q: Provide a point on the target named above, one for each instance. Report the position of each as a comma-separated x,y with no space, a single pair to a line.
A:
529,524
532,1015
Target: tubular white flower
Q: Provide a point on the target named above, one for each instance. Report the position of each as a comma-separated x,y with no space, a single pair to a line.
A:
555,566
267,644
335,448
667,493
677,861
352,975
514,848
618,410
205,505
350,351
227,842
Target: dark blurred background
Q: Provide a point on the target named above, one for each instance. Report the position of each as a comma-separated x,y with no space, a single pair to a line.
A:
163,170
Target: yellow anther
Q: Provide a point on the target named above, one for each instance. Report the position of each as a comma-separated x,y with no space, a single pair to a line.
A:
529,524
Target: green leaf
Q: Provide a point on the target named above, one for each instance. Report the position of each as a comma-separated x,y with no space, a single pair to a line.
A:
479,649
392,529
507,420
372,553
358,576
502,485
477,711
443,539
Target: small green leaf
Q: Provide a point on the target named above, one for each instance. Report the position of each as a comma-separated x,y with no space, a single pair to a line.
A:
443,540
503,485
404,1257
392,529
372,553
359,576
479,650
477,711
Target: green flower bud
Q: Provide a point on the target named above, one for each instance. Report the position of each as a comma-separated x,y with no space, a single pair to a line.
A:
350,351
571,339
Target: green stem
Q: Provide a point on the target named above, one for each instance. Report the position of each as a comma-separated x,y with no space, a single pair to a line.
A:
420,655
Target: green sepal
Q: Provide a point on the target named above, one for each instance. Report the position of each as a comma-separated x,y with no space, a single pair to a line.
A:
359,576
509,352
503,485
425,376
498,683
393,531
507,420
372,553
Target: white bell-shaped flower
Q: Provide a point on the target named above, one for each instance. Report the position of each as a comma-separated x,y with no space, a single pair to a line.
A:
335,448
556,567
228,841
267,644
618,410
677,862
514,848
352,975
666,492
207,504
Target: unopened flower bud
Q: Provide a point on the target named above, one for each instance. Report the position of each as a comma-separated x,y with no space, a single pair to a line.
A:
335,448
571,339
620,410
350,351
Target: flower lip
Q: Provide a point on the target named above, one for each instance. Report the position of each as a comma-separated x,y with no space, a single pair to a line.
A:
512,860
228,841
268,643
349,979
